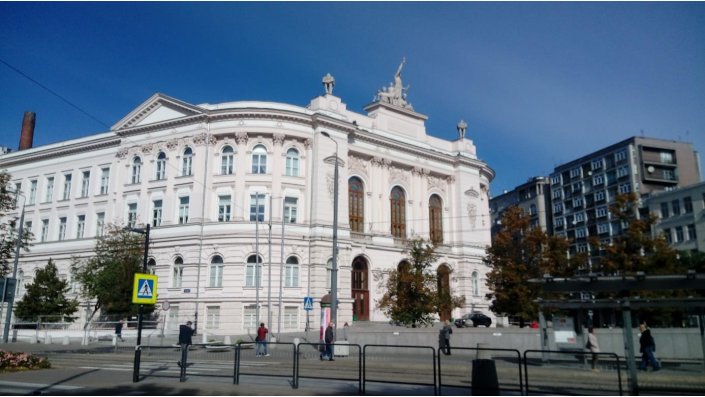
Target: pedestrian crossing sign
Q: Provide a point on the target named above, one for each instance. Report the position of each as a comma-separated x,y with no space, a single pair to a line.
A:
144,290
308,303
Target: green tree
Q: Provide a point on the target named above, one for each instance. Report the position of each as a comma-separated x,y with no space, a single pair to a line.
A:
413,293
9,223
46,296
108,276
518,253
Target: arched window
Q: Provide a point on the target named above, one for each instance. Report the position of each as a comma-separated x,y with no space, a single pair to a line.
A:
216,272
187,162
356,204
259,160
292,162
161,167
475,284
227,160
398,209
291,272
435,221
252,279
136,169
177,272
151,266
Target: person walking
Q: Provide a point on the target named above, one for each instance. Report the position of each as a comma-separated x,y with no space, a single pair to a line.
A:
329,339
118,330
594,347
261,340
647,347
185,335
444,338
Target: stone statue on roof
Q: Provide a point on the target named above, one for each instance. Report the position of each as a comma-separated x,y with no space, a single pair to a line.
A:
396,93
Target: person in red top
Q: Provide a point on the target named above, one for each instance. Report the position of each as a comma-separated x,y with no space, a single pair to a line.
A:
262,341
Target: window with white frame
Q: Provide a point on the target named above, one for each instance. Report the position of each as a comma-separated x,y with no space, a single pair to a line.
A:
104,180
160,173
257,207
292,162
580,217
80,226
157,212
621,155
290,209
691,233
598,180
216,272
174,320
62,228
578,187
28,226
679,234
291,317
67,186
668,236
666,157
49,194
664,210
577,202
557,194
582,248
136,170
85,183
669,175
259,160
575,172
558,207
603,228
32,191
99,223
601,212
532,210
596,164
249,317
187,162
676,205
600,195
687,205
581,232
227,158
291,272
253,271
624,188
622,171
212,317
559,222
177,273
224,208
183,209
131,214
555,179
475,280
45,230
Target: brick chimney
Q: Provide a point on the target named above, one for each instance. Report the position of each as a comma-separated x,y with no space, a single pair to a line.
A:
27,134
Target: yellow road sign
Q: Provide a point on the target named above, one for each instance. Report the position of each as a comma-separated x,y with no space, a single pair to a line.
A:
144,289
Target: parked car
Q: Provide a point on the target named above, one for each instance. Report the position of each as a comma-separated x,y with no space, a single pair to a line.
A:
476,318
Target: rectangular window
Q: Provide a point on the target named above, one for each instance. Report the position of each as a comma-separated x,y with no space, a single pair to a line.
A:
257,207
679,234
99,223
669,175
603,228
45,230
666,157
664,211
104,180
212,317
580,217
600,195
558,207
67,186
691,233
598,180
173,321
622,171
555,180
177,276
32,191
216,275
183,210
621,155
575,172
18,190
136,170
578,187
601,212
62,228
581,232
80,226
226,163
290,209
224,208
291,317
624,188
50,190
676,205
596,164
28,226
556,194
161,169
131,214
85,183
578,202
249,317
559,222
667,235
582,248
157,213
687,205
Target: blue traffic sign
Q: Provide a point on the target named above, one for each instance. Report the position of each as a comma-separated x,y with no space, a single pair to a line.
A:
308,303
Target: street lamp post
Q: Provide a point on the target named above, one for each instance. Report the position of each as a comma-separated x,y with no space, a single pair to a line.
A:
18,244
334,270
144,231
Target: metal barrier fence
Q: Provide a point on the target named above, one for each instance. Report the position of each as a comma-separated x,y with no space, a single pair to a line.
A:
397,360
506,362
157,361
344,355
569,372
272,349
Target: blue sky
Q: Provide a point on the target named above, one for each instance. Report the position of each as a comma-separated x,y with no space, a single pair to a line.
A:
539,84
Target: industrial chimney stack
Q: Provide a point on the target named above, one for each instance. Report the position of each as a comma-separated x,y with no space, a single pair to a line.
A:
27,134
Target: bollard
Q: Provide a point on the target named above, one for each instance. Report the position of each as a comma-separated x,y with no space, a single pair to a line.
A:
65,341
227,341
484,373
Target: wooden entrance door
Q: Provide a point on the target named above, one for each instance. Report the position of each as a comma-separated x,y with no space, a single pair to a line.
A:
360,292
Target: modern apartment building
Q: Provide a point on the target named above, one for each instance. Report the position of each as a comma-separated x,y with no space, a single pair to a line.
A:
533,197
583,189
681,214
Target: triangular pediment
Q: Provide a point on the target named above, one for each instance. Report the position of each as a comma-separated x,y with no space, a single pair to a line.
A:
156,109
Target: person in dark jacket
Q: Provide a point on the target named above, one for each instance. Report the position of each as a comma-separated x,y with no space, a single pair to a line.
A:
329,339
647,347
118,330
185,334
444,338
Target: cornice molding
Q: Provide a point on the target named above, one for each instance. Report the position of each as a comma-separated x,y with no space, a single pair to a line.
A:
60,151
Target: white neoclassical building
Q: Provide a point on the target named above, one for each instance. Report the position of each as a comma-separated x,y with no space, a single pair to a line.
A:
211,178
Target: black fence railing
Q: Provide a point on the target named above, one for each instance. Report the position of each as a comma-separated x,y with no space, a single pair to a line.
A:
348,367
416,373
506,364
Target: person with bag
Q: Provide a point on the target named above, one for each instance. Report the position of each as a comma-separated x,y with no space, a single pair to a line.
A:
444,338
329,339
593,347
185,335
647,347
261,340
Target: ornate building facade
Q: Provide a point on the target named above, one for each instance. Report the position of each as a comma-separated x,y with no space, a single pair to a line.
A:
222,183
